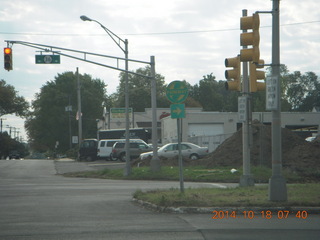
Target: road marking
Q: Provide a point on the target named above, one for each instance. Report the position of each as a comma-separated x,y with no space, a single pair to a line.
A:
217,185
104,164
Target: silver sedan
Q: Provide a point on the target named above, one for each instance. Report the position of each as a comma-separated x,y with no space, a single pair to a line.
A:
188,150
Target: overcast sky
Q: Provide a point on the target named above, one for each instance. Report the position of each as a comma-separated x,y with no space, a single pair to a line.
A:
189,38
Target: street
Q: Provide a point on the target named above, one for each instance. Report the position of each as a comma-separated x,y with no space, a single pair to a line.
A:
36,203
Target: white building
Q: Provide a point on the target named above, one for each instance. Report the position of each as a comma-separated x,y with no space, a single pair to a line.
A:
212,127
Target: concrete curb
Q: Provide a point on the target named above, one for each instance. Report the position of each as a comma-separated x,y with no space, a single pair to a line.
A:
256,210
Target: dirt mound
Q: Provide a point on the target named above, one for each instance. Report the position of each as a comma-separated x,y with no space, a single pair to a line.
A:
296,152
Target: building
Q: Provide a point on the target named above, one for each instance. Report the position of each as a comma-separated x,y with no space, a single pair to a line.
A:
211,128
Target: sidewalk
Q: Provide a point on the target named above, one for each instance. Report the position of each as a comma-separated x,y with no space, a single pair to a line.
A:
65,165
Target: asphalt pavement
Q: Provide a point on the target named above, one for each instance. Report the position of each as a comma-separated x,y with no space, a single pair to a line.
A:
36,203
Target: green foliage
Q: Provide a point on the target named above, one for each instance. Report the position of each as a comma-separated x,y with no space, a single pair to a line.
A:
10,102
7,145
302,91
140,90
49,121
213,96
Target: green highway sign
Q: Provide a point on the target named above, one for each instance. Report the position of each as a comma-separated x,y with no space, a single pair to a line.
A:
47,59
177,92
120,112
178,111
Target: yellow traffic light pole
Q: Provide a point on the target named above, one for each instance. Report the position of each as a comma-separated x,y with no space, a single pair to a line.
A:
246,179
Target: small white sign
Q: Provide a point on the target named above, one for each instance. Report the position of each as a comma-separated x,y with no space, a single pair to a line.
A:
271,93
242,108
75,139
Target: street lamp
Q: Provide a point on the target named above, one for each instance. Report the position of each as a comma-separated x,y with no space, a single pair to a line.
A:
118,41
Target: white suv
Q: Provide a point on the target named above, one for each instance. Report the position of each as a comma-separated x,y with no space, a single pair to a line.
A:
105,148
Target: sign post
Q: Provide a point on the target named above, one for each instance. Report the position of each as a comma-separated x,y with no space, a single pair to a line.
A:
177,93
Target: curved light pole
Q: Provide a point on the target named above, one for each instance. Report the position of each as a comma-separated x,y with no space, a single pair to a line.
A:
125,51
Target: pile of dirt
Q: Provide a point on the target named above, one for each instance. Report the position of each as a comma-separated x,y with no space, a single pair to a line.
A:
297,154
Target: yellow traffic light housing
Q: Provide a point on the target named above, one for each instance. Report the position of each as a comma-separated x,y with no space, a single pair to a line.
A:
234,74
256,75
250,38
7,58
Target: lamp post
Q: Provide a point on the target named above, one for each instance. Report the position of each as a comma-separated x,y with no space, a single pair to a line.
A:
118,41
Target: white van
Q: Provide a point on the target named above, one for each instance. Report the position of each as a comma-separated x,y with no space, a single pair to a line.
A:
105,148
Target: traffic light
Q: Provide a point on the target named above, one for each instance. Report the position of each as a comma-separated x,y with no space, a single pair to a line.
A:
250,38
234,74
256,75
7,58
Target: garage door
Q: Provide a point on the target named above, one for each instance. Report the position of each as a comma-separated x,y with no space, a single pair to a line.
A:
206,129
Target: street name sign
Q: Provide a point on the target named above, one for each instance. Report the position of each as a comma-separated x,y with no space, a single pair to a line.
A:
177,92
47,59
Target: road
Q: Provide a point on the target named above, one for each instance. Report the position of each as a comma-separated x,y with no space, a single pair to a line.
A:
35,204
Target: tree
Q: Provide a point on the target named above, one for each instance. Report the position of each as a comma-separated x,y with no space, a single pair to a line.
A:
213,96
140,90
303,91
48,123
10,102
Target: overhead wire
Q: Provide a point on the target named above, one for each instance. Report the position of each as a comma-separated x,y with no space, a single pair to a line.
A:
151,33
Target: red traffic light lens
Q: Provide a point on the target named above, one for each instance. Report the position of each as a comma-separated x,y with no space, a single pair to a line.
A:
7,50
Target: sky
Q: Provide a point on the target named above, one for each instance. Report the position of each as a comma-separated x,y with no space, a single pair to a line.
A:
188,38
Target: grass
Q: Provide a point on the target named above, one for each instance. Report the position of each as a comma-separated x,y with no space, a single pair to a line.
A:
303,190
195,174
298,195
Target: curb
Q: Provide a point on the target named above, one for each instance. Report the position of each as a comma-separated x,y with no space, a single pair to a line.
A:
256,210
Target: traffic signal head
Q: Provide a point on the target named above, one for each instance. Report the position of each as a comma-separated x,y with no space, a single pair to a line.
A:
234,74
250,38
7,58
256,75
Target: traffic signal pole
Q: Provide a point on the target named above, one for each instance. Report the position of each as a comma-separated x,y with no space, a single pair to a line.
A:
246,179
277,183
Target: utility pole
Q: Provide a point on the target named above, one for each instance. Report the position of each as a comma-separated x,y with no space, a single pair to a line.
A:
79,109
277,183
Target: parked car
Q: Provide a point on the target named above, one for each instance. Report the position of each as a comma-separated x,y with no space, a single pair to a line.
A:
88,150
188,150
137,146
310,139
105,148
14,155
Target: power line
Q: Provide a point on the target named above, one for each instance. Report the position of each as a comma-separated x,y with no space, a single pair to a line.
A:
151,33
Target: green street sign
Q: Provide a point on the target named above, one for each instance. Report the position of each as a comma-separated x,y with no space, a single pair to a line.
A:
119,112
178,111
177,92
47,59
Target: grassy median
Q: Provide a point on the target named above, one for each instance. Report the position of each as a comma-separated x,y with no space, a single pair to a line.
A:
299,195
199,174
303,189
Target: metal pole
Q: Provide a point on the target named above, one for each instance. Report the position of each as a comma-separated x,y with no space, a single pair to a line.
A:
79,108
127,144
246,179
155,162
277,183
180,156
